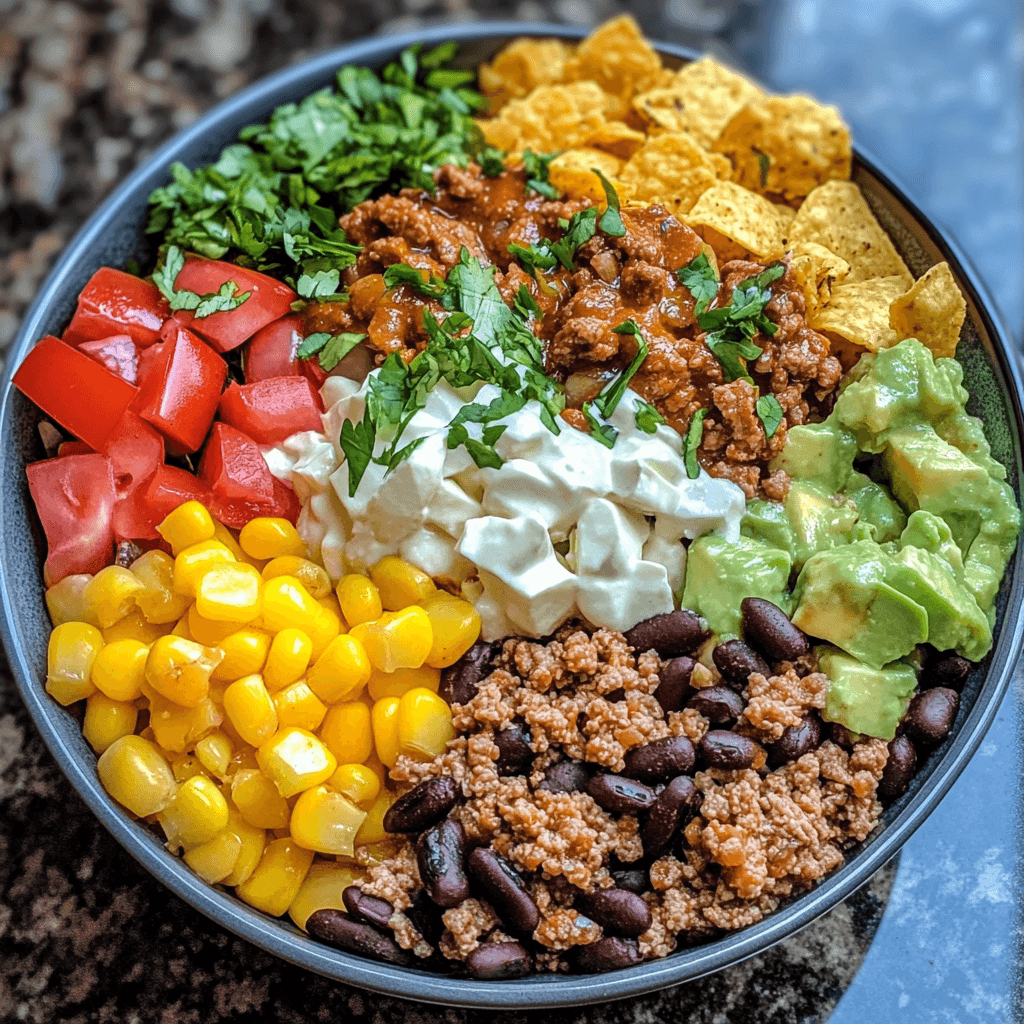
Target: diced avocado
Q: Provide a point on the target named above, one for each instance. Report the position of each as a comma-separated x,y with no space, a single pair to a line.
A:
822,452
766,521
875,508
865,699
820,519
720,573
929,532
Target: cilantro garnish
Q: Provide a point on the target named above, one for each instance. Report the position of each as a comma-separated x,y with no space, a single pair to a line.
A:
426,284
321,285
537,256
526,305
699,278
580,228
764,162
611,394
223,300
537,166
770,413
694,434
329,349
603,433
647,418
611,221
357,443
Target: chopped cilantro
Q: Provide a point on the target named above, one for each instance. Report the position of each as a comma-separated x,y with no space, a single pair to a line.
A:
579,229
764,162
329,349
698,277
223,300
611,394
357,443
430,285
603,433
611,220
770,413
731,354
647,418
536,166
537,256
694,434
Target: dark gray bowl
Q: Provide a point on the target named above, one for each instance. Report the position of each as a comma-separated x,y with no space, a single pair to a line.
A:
113,235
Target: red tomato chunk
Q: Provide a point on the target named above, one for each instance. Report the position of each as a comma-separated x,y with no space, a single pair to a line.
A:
113,302
135,452
273,409
159,495
236,512
272,351
233,466
118,354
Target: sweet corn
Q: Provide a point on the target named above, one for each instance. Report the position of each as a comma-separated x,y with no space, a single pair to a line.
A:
359,599
194,562
424,725
107,720
181,628
245,757
298,705
226,537
401,681
253,842
267,537
294,760
135,626
347,732
208,632
326,821
397,640
230,593
288,659
176,728
359,783
384,717
196,814
321,890
309,574
136,775
245,653
400,583
456,627
111,594
215,752
214,860
250,710
120,668
65,601
287,605
372,830
341,671
324,628
158,601
185,767
70,655
258,800
180,669
277,878
190,523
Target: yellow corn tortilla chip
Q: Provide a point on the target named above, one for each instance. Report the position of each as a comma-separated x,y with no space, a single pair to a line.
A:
550,119
742,216
617,138
818,270
699,101
836,216
669,169
572,173
859,312
932,311
786,146
784,213
520,67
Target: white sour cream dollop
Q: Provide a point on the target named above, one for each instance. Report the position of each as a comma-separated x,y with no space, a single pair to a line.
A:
566,526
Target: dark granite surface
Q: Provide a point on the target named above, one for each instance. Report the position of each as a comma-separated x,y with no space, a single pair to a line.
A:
89,88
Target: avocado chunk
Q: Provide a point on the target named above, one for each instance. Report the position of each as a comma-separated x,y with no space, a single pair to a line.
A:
865,699
876,508
822,452
767,522
820,519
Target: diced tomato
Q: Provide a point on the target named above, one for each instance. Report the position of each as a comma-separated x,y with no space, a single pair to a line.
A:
135,452
113,302
273,350
286,501
273,409
157,496
74,497
268,300
180,387
80,394
73,448
233,466
117,353
236,512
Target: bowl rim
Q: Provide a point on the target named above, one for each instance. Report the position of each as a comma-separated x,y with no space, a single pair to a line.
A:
536,992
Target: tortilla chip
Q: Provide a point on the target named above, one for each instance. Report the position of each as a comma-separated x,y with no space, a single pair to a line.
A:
670,169
859,312
572,173
783,212
617,138
817,269
742,216
932,311
618,58
699,102
550,119
836,216
519,68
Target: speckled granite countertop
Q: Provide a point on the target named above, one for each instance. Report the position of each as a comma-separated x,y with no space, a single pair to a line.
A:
89,88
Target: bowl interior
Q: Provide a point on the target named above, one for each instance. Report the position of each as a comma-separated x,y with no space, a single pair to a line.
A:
115,234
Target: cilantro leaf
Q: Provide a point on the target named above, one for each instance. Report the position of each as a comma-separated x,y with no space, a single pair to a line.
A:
611,394
764,162
536,166
580,228
319,284
337,348
611,220
526,305
698,277
647,418
356,442
537,256
223,300
770,413
313,344
729,352
603,433
430,285
491,161
694,435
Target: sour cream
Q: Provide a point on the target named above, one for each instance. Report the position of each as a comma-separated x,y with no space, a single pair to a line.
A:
565,527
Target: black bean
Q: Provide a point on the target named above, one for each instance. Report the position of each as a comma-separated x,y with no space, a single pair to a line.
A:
338,929
566,777
796,741
424,805
930,714
459,682
736,661
617,911
515,755
675,806
899,769
426,917
632,880
615,696
441,854
619,795
842,736
504,889
675,683
767,628
722,749
671,634
661,760
127,552
499,961
949,670
363,907
611,954
717,704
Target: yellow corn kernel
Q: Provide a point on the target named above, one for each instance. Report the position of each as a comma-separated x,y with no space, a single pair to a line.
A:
245,757
309,574
214,860
359,599
181,628
70,655
180,669
326,821
266,537
158,601
323,629
258,800
176,728
107,720
196,814
120,668
207,632
372,830
288,605
185,767
190,523
359,783
424,725
321,890
250,710
331,603
65,601
230,593
110,595
374,763
134,626
136,775
215,752
456,627
253,842
400,583
401,681
288,659
384,717
294,760
277,878
194,562
347,732
370,854
397,639
245,653
299,705
341,671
